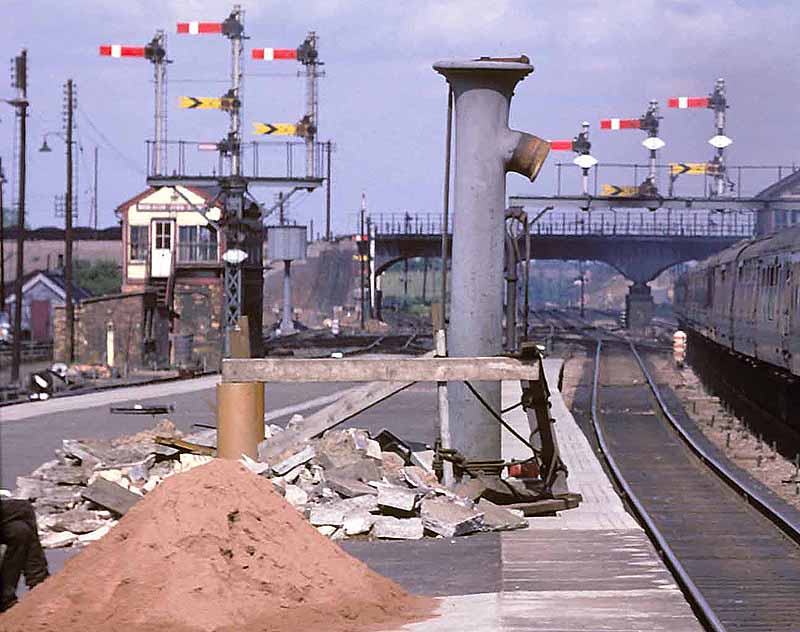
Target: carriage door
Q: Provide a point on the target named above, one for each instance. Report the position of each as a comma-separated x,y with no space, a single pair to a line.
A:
161,259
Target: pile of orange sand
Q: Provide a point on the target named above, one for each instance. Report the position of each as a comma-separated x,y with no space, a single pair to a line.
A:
216,548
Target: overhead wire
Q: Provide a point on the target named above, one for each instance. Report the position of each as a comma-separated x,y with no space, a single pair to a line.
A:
131,164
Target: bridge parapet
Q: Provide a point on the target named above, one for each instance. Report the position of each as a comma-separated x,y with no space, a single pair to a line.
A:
661,223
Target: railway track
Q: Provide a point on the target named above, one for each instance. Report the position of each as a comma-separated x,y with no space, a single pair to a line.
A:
732,546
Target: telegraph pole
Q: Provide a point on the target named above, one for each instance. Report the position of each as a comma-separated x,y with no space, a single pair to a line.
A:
69,308
94,193
21,105
2,242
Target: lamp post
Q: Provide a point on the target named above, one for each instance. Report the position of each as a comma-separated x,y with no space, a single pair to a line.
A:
69,308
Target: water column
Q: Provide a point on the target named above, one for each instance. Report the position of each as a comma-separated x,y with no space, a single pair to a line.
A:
485,150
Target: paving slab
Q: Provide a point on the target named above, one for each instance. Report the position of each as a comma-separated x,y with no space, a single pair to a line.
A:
590,568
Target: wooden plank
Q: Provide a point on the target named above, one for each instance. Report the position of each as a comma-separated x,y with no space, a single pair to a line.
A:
111,496
185,446
378,370
353,401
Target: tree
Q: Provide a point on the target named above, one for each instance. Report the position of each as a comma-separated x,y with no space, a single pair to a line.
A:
99,277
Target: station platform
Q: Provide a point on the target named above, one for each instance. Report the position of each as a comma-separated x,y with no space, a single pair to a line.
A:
589,568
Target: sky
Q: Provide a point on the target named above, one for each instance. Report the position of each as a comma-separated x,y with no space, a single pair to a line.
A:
382,105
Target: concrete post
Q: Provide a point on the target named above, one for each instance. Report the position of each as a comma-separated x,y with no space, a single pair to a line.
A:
485,150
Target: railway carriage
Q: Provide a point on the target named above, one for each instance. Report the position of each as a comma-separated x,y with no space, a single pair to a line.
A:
747,300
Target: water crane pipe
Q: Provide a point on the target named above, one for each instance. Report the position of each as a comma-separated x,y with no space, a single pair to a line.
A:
485,150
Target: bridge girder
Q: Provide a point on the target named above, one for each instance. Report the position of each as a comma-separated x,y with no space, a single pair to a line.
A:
638,258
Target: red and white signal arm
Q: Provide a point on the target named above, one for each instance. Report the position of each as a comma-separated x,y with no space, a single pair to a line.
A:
561,145
271,54
619,123
118,50
199,28
683,103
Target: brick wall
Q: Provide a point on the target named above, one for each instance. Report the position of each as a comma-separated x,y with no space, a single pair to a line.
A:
199,312
130,314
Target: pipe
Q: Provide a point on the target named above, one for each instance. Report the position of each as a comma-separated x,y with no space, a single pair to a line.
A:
240,419
446,202
485,149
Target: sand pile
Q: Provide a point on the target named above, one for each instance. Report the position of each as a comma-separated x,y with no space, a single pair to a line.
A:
216,548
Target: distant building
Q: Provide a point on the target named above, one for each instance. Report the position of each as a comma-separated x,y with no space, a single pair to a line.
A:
44,248
42,292
774,220
171,248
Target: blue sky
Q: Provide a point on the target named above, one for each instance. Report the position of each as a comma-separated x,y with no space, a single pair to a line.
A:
382,104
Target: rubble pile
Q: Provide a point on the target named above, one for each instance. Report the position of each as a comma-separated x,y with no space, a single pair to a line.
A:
347,484
215,549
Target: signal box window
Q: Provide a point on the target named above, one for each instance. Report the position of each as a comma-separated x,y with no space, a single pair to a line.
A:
197,243
138,243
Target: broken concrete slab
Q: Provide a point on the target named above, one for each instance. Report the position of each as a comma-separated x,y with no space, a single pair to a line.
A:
419,478
365,470
97,533
397,498
450,519
298,458
58,498
342,448
57,472
471,489
188,461
58,539
326,530
358,523
254,466
497,518
334,513
110,496
78,521
392,462
348,487
423,459
295,495
390,528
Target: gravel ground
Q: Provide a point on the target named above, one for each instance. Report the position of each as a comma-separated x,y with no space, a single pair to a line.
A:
728,433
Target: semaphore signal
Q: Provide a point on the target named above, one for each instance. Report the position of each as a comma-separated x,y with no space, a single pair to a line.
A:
155,52
308,55
718,102
649,123
581,146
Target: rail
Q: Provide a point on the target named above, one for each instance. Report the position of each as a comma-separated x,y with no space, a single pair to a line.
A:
752,496
699,602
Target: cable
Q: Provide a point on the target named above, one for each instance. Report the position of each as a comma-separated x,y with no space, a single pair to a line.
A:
130,163
500,419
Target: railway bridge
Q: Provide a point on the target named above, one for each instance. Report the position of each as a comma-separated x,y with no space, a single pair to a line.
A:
640,244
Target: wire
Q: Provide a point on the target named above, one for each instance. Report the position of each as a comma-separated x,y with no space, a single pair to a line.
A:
125,159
